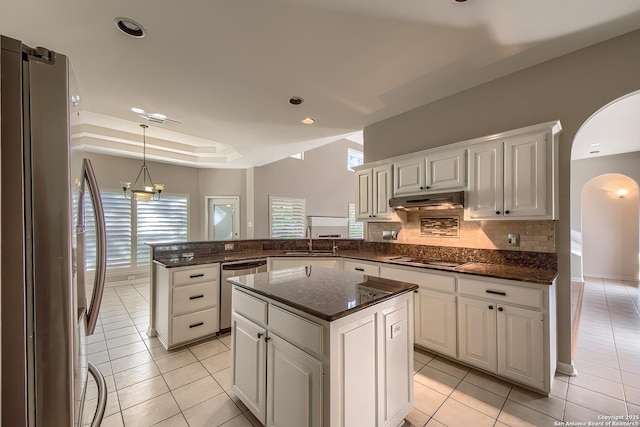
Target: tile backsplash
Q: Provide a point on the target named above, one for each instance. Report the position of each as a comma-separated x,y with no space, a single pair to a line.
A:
535,236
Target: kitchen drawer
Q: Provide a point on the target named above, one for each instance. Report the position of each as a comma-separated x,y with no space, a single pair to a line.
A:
193,326
249,307
502,292
435,282
361,267
194,297
196,274
295,329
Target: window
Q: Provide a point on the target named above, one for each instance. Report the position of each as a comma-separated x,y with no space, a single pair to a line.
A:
129,224
117,217
160,220
287,217
356,228
354,158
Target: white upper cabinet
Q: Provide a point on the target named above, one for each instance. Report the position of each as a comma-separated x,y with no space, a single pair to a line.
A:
409,176
512,174
485,197
430,172
373,191
514,177
446,170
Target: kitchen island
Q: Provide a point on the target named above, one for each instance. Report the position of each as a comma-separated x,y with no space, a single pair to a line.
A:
320,347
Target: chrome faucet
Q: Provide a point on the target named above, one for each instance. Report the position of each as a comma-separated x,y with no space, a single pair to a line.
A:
310,238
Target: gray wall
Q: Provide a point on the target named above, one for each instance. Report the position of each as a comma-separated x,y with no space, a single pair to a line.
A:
111,170
196,183
321,178
582,171
569,88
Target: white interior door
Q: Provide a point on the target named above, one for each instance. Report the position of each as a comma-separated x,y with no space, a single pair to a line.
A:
223,217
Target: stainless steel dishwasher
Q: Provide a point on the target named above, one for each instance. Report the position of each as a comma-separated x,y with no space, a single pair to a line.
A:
231,269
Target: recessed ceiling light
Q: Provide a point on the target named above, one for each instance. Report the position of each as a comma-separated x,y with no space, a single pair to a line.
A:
308,121
130,27
296,100
595,144
137,110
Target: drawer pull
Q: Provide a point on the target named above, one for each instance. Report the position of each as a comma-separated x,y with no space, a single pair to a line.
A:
359,269
195,325
196,296
193,276
504,294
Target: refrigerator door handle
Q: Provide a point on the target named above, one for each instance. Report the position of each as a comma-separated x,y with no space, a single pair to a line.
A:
101,246
102,394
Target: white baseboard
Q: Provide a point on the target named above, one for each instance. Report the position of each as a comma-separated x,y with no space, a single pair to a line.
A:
577,279
612,276
567,368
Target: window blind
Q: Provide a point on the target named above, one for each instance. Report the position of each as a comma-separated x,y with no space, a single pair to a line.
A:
356,228
161,220
117,215
287,217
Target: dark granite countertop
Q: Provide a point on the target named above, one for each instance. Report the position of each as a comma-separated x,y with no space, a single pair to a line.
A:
323,292
523,274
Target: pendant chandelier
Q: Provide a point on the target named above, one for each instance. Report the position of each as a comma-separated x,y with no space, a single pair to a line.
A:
147,190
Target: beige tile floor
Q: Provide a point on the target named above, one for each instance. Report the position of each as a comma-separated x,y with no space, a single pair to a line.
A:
191,386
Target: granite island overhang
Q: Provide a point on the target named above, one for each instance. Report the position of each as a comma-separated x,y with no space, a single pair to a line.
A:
318,347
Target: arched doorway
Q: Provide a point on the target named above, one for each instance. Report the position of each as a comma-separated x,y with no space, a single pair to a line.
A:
610,227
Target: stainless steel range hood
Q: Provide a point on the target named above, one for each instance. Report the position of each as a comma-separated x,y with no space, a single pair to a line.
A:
451,200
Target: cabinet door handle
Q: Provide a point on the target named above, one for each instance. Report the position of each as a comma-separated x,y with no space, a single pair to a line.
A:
428,187
422,188
260,334
195,325
266,339
507,212
193,276
359,269
497,212
490,307
500,309
489,291
196,296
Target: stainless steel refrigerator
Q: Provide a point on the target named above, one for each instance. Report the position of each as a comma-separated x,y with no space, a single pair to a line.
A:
45,312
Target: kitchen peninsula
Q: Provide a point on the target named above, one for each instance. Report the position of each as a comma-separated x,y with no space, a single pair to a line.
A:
493,310
314,346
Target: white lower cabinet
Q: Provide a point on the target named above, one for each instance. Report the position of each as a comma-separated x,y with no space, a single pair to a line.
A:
435,307
436,321
503,339
294,370
249,353
477,337
294,385
185,301
514,341
521,345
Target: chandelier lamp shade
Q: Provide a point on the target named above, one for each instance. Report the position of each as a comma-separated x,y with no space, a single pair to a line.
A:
147,189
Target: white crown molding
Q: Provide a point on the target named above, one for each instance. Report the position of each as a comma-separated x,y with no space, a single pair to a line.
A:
109,135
